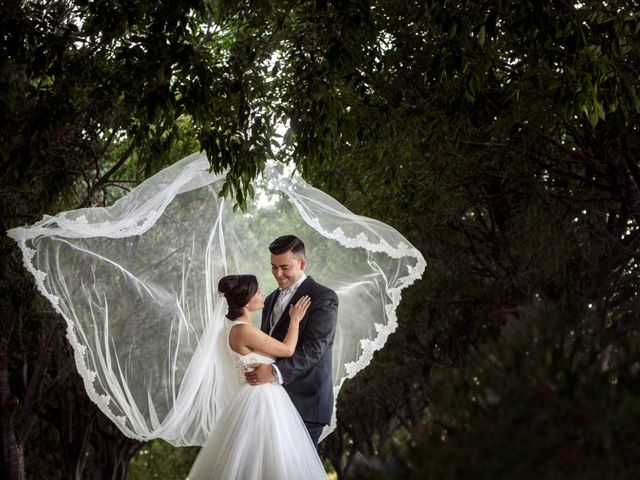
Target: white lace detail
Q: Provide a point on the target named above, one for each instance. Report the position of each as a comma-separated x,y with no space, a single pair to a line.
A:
105,351
290,185
79,350
236,358
242,361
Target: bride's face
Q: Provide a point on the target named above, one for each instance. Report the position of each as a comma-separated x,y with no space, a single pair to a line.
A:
257,301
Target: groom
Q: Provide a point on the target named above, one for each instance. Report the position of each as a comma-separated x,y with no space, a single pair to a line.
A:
306,376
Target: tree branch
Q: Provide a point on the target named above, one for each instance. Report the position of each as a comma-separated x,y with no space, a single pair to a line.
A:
105,178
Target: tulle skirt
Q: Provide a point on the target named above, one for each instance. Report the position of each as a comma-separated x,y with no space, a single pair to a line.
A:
259,436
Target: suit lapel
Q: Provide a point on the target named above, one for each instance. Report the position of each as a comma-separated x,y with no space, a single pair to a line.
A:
302,290
270,302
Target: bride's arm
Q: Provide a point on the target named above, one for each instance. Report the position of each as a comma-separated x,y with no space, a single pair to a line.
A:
256,339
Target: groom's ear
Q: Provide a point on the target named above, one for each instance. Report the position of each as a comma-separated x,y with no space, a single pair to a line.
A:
303,263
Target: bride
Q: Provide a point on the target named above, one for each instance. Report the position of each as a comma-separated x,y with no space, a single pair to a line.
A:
260,434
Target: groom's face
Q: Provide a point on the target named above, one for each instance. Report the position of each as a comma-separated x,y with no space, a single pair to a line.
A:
287,268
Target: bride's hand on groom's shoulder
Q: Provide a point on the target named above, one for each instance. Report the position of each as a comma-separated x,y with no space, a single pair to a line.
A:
298,310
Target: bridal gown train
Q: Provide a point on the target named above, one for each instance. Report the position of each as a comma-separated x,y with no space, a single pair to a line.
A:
259,436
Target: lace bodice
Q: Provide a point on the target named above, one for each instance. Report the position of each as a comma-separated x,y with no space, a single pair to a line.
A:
242,361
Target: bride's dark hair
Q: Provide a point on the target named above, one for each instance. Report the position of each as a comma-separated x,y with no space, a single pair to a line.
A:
237,290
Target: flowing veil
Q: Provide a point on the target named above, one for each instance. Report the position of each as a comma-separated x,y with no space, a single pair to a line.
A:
136,285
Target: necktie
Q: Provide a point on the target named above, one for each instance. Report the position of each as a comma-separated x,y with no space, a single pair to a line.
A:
278,308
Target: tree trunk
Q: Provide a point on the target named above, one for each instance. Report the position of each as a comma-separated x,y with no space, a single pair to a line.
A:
333,448
91,446
12,451
12,467
112,451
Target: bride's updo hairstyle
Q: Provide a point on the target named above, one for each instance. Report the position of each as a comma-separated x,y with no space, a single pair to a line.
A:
237,290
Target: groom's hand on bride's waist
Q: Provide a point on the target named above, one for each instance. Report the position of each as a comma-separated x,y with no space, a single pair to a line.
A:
261,373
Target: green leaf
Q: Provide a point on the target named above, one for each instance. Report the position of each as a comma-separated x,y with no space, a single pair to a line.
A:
481,35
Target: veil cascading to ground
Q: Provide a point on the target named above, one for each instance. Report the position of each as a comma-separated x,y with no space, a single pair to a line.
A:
136,285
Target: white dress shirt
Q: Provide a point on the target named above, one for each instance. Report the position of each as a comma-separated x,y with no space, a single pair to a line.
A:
283,299
278,309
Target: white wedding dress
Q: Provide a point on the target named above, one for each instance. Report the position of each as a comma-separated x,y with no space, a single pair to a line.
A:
259,435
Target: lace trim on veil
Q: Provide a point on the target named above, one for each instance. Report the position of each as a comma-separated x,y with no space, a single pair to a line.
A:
368,346
123,228
79,350
77,225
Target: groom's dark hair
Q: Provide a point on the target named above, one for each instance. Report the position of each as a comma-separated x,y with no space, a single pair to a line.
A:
287,243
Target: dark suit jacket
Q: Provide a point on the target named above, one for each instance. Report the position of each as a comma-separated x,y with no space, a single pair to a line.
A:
307,374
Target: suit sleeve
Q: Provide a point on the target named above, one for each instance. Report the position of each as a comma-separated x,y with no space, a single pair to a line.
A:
316,338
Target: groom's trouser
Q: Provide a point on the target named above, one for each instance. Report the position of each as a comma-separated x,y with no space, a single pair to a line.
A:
315,430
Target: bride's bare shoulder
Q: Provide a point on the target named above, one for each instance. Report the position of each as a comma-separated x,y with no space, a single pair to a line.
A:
239,326
238,335
241,329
